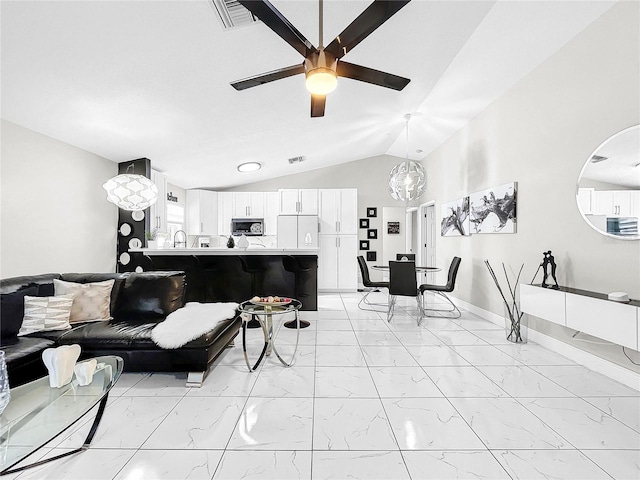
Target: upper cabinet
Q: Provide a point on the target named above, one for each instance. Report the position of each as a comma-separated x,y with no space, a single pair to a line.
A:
271,200
338,211
158,211
225,213
248,204
202,212
617,203
298,201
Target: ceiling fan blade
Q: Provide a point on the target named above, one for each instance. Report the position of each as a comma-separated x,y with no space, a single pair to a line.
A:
375,15
317,105
268,77
272,18
369,75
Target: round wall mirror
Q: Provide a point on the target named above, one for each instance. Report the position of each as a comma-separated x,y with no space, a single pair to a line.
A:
125,229
609,186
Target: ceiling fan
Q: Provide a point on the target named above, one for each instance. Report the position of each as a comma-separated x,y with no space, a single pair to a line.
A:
323,65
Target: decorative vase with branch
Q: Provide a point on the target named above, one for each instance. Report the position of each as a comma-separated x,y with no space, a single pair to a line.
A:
512,307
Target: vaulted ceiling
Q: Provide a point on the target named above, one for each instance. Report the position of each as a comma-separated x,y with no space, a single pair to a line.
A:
130,79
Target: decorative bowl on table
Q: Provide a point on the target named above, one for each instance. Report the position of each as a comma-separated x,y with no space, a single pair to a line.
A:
271,301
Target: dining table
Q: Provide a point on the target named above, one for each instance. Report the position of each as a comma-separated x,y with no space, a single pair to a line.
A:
418,268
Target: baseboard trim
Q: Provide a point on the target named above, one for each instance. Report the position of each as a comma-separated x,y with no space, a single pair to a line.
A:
589,360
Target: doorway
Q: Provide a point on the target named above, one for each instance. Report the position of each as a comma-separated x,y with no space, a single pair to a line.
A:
428,228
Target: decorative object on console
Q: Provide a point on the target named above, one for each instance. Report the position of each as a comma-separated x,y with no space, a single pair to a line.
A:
547,260
364,244
372,256
372,212
618,296
407,180
364,223
231,243
84,371
5,393
130,191
455,218
494,210
60,363
372,233
393,228
152,238
515,327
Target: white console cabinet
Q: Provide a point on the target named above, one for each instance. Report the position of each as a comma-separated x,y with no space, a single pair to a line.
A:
586,312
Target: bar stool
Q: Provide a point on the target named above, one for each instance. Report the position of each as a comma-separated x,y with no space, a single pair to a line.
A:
251,264
292,265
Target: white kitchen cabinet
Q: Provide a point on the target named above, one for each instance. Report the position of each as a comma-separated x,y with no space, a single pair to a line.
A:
585,196
225,213
271,209
337,264
248,204
338,211
617,203
298,201
158,211
202,212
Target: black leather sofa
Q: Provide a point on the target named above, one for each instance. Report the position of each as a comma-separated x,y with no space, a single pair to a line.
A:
139,301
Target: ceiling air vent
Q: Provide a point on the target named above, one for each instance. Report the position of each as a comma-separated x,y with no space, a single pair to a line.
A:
232,14
296,160
598,158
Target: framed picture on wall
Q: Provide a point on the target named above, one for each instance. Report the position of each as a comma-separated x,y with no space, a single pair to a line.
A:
393,228
372,256
364,244
372,212
372,233
364,223
494,210
455,218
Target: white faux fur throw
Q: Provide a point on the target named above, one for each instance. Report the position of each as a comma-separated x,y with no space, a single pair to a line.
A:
190,322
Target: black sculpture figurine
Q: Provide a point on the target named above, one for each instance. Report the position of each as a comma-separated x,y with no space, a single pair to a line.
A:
549,260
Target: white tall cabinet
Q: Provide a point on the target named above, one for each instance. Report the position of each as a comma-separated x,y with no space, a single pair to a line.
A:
202,212
158,211
225,213
338,239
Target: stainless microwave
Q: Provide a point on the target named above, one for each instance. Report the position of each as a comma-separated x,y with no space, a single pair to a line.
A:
247,226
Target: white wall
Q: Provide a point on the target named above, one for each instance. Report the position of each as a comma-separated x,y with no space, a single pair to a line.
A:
540,134
55,213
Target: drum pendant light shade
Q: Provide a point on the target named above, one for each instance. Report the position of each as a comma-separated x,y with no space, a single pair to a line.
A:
407,180
131,192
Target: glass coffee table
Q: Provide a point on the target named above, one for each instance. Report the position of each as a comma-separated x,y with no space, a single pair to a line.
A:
38,413
264,314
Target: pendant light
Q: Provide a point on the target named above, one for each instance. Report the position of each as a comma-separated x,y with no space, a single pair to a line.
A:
130,191
408,179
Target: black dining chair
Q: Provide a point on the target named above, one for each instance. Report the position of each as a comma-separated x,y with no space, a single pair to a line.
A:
441,289
369,286
406,256
402,282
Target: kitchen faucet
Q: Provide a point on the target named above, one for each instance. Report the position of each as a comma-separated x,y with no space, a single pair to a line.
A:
183,242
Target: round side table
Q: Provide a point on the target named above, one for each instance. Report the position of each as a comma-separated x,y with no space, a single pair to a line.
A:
264,313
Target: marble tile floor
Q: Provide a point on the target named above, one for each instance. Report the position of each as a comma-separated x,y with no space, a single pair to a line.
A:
367,399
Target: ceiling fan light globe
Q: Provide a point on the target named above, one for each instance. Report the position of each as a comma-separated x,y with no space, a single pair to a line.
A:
321,81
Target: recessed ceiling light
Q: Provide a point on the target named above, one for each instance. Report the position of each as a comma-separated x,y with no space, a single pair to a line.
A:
249,167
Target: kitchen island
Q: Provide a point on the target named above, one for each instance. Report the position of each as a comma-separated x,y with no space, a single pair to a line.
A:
236,275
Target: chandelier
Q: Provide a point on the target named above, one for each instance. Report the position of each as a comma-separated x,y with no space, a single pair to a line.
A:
130,191
408,179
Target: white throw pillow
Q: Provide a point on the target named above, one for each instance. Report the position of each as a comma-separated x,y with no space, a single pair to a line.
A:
91,301
46,313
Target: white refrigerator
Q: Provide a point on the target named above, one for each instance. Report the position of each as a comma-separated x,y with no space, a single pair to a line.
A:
297,231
